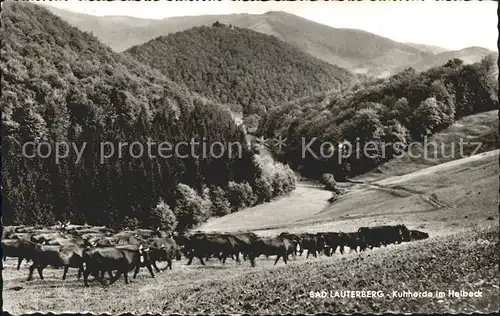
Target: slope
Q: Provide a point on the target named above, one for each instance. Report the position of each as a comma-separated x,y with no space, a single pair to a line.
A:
430,48
123,32
356,50
468,55
239,66
438,199
478,133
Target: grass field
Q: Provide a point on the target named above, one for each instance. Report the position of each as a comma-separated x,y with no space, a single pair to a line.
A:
434,199
455,201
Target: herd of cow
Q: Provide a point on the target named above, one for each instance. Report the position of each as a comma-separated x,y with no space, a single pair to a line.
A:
95,250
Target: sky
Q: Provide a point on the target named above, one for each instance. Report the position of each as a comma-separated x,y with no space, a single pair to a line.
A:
452,25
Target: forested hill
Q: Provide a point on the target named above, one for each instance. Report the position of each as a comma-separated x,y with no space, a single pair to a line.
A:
62,85
239,66
386,115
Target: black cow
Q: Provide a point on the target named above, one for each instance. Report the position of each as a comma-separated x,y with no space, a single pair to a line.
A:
353,241
331,241
313,243
404,233
42,238
373,236
418,235
24,236
279,246
68,256
109,259
296,241
8,230
144,261
17,248
383,235
203,245
103,241
163,249
244,242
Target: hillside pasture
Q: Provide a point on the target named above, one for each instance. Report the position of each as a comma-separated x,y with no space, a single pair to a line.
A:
441,198
461,261
455,202
480,127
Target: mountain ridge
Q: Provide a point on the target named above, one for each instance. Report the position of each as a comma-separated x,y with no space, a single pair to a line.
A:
356,50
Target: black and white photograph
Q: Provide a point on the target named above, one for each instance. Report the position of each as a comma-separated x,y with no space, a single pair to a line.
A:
249,157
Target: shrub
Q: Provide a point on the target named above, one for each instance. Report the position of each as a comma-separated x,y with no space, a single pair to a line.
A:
263,189
240,195
291,179
329,182
280,177
279,184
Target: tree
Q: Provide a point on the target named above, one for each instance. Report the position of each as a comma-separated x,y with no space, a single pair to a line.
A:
454,63
190,209
251,122
429,116
364,124
263,189
220,204
240,195
162,217
402,111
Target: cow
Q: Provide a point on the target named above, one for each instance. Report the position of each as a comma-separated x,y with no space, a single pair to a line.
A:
163,249
313,243
383,235
295,239
103,241
353,241
130,240
203,245
148,233
17,248
41,238
329,242
110,259
59,239
279,246
91,230
67,256
404,233
126,234
92,236
418,235
244,242
24,236
9,231
144,260
372,236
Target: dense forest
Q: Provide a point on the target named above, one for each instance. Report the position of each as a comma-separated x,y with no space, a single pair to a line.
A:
403,108
61,85
240,67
